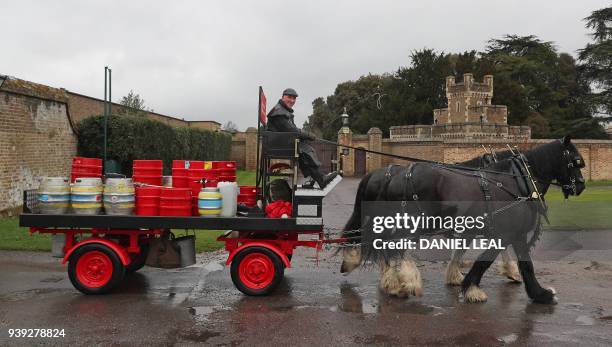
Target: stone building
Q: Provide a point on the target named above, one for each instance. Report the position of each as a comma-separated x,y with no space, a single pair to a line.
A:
469,115
460,131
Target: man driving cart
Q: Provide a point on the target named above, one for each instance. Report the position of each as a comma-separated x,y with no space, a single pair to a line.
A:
280,119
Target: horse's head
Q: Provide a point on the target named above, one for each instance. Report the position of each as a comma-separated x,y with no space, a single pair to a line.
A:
569,175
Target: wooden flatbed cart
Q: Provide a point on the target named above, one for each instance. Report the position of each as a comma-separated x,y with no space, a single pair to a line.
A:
101,249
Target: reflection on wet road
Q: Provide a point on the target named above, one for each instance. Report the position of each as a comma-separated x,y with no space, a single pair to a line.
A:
315,305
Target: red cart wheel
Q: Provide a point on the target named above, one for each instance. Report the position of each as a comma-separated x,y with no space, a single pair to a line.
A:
95,269
257,271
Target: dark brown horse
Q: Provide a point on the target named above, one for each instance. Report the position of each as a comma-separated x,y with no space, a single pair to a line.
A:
557,161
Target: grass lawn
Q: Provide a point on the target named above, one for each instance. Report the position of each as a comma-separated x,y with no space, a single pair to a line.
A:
591,210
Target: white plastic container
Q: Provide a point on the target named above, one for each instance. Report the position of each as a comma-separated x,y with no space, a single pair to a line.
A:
229,198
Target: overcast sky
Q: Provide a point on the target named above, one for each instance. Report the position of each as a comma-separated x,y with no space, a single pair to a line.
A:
203,60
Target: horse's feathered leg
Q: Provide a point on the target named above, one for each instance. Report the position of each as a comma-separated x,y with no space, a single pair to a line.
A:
470,286
454,277
533,288
508,267
351,256
401,278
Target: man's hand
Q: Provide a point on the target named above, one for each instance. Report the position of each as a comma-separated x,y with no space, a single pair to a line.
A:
308,136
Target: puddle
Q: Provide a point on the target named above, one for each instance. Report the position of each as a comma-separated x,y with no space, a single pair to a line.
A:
509,338
213,267
585,320
202,313
574,305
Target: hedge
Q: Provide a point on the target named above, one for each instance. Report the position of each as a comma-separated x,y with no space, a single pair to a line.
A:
136,137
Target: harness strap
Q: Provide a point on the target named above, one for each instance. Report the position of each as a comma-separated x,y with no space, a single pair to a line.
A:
484,186
409,185
388,177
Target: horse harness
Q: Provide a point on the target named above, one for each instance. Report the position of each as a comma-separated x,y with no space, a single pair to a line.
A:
527,190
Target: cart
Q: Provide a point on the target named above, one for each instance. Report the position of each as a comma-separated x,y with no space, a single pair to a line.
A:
101,249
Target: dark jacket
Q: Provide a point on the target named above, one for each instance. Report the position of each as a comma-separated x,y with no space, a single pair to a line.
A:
280,119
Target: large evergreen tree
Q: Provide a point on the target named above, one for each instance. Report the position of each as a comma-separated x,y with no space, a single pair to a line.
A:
597,60
542,88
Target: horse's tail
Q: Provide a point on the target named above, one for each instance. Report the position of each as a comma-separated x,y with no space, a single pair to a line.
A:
354,222
352,232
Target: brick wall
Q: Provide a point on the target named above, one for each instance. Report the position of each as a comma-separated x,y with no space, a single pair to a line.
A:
597,154
238,151
36,140
83,106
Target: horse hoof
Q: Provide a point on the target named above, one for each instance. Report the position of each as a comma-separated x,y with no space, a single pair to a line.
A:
408,290
351,259
547,297
454,279
515,278
474,295
510,271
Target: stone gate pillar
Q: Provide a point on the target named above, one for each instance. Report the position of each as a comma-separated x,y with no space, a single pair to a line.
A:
345,137
374,161
250,149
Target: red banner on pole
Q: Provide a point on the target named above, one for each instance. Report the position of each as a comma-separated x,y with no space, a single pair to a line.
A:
262,106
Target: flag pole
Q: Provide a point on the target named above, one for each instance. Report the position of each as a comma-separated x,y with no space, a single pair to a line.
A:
257,175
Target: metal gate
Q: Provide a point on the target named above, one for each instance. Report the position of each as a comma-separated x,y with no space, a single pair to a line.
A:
327,154
360,162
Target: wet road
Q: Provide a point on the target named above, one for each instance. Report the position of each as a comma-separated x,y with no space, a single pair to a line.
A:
314,305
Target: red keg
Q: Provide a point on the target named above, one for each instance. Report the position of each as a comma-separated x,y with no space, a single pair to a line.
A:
247,196
225,168
85,167
179,173
175,202
147,200
148,171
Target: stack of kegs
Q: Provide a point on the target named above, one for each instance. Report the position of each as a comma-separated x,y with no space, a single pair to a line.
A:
148,171
175,202
247,196
86,195
54,195
225,170
147,200
119,196
85,167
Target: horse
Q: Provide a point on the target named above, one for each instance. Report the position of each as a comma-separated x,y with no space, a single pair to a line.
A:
557,161
507,267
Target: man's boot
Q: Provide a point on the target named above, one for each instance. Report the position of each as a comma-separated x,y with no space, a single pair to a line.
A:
323,181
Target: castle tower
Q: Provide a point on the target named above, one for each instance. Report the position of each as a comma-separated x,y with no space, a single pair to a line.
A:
470,102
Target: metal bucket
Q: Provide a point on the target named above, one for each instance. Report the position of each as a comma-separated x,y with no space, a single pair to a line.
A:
86,196
119,196
186,245
54,195
57,245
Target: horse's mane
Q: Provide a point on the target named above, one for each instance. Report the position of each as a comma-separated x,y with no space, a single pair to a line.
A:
536,156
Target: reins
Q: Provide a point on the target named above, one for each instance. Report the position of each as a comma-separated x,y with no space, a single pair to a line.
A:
420,160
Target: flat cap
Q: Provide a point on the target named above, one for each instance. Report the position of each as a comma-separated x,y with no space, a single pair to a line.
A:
290,91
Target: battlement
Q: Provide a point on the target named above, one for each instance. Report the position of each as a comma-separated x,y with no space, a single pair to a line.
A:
470,101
